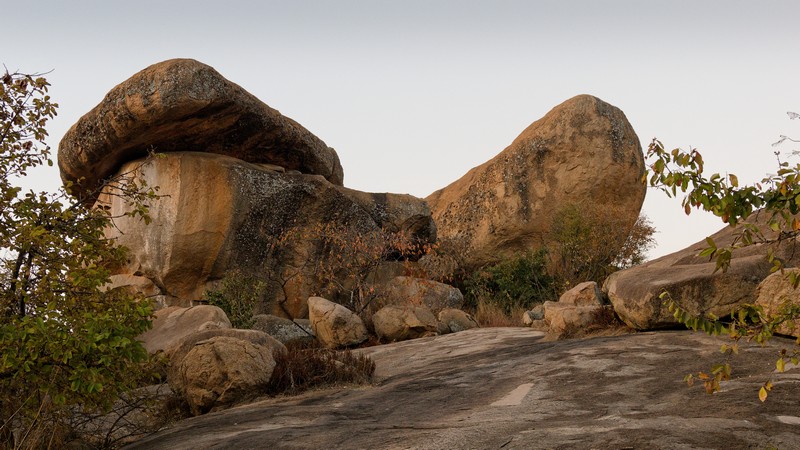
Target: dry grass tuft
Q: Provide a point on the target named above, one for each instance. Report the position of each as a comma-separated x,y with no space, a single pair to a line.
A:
489,314
304,367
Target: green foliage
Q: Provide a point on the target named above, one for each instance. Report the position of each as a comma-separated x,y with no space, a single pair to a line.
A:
65,341
238,295
518,282
778,197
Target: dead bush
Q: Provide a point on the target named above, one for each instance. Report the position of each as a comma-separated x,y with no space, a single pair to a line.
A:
490,314
308,366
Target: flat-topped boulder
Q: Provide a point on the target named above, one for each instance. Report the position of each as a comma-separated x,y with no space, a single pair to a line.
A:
184,105
583,151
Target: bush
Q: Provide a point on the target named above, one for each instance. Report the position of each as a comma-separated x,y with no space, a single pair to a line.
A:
521,282
237,295
591,242
66,343
307,366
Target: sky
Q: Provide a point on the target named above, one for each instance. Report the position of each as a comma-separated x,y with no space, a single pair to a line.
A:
414,93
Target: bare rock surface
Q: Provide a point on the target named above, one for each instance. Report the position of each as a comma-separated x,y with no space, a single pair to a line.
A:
505,388
583,150
184,105
692,281
173,324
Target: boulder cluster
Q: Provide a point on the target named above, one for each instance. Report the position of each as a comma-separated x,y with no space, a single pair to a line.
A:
235,178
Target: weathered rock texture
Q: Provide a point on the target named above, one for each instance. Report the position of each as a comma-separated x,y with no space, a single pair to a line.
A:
583,294
504,388
282,329
776,293
564,318
173,324
222,370
583,150
217,213
334,325
692,282
184,105
399,323
457,320
404,291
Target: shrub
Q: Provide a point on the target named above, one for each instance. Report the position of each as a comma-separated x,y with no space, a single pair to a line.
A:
519,282
237,295
590,242
307,366
66,343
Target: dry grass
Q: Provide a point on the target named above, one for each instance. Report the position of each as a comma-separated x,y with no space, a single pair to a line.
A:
309,366
488,314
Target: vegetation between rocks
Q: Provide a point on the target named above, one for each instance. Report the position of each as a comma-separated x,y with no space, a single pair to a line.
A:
308,366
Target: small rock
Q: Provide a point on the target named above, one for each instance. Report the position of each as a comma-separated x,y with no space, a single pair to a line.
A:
583,294
399,323
537,313
435,296
457,320
334,325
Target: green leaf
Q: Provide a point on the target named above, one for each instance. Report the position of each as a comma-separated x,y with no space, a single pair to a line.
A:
780,365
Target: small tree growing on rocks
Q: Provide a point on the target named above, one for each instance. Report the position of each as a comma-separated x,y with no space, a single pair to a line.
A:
777,196
65,341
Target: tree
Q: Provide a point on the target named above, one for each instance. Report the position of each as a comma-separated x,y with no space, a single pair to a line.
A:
65,340
777,197
590,242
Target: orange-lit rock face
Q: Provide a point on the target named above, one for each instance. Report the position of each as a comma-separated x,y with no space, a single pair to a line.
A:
583,150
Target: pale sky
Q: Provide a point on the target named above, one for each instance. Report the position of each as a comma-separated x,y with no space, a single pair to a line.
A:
414,93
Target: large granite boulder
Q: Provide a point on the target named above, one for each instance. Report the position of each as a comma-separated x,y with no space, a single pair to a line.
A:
692,281
583,150
184,105
334,325
177,353
217,213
